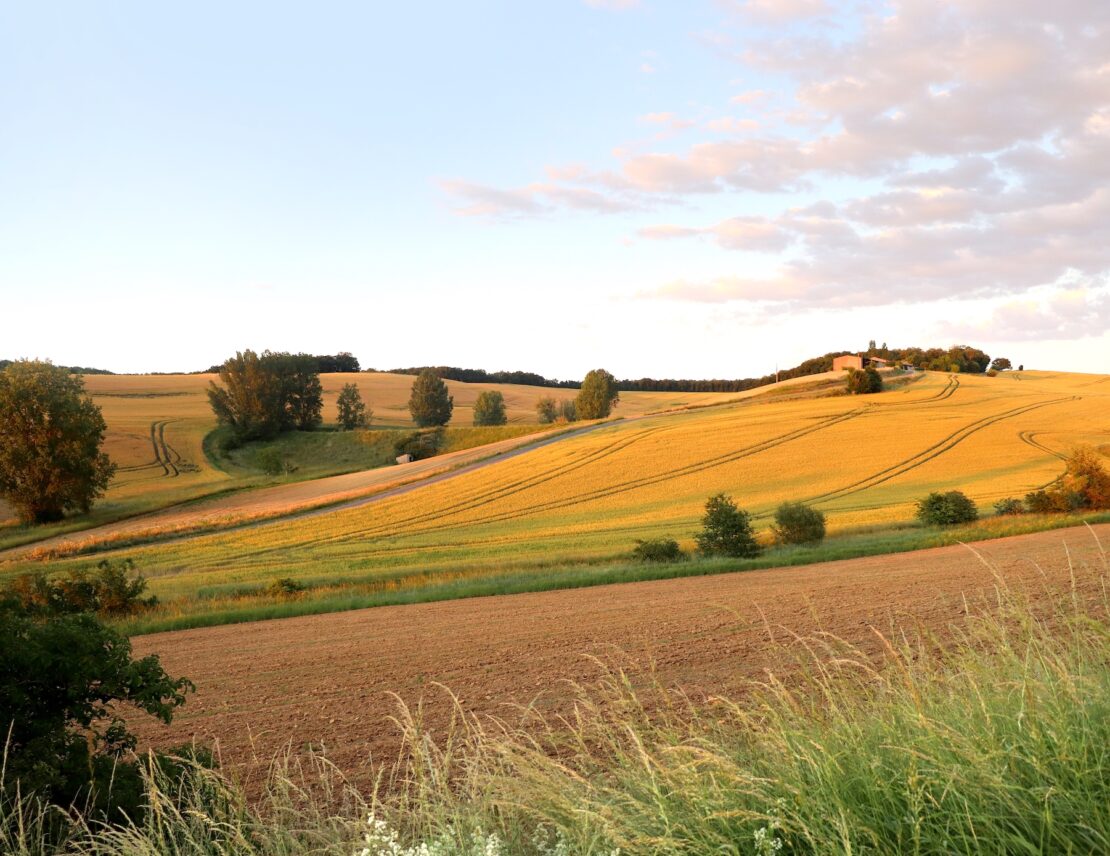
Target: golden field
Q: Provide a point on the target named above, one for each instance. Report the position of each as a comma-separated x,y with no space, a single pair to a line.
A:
157,425
586,498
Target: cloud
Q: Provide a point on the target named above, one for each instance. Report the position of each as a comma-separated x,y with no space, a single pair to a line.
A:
479,200
1058,314
933,149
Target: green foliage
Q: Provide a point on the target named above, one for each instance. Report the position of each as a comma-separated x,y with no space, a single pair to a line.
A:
598,395
271,461
351,411
1008,506
430,403
286,587
110,591
798,523
51,436
64,680
547,411
1001,364
726,530
489,409
865,381
946,509
420,444
568,410
1084,484
264,395
658,550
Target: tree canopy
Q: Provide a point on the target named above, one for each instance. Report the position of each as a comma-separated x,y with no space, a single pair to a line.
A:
429,403
351,411
489,409
264,395
51,435
598,395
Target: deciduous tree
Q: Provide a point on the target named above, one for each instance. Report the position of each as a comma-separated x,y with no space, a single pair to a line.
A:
351,411
598,395
489,409
430,404
51,439
726,530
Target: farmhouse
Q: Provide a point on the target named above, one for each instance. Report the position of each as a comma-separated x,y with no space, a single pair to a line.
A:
858,361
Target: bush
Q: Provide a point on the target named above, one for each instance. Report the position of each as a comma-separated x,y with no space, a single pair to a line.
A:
271,462
109,591
797,523
864,382
1084,484
64,680
419,444
726,530
547,411
946,509
658,550
1008,506
568,410
489,409
286,587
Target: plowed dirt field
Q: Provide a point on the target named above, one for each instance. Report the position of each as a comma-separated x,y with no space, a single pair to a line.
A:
325,680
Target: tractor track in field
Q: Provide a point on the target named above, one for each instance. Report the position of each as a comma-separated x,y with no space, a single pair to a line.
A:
932,452
166,457
601,493
1030,439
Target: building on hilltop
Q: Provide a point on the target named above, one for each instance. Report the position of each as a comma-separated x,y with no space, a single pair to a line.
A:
859,361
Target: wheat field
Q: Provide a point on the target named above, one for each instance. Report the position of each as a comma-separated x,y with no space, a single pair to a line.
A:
862,460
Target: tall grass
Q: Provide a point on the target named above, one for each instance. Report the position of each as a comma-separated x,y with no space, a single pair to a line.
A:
989,736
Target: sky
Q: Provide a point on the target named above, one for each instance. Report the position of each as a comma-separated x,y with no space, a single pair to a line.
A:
665,189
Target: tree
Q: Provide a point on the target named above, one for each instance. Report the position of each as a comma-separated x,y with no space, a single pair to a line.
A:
946,509
429,403
51,436
865,381
598,395
264,395
63,680
351,412
726,530
547,411
489,409
1084,484
797,523
568,410
1001,364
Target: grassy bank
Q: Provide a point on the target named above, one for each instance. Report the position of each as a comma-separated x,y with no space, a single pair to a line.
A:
987,738
232,603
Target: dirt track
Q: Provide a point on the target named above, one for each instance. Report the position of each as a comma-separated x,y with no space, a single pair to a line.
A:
325,679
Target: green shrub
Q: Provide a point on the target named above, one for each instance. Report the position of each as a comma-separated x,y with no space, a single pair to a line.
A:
110,590
798,523
286,587
946,509
61,676
864,382
726,530
420,444
658,550
547,410
271,462
1008,506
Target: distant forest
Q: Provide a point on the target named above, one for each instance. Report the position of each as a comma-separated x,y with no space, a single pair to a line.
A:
71,369
959,358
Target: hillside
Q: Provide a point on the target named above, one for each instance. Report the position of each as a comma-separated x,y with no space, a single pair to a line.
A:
157,425
583,501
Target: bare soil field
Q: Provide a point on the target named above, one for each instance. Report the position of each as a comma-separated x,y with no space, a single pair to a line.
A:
325,681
